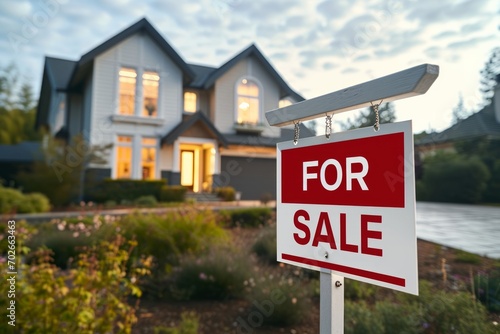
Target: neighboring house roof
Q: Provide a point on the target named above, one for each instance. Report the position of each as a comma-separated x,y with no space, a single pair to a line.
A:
187,123
481,124
210,79
27,151
56,77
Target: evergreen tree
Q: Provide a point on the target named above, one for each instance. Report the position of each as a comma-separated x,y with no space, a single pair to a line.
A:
367,117
459,112
488,75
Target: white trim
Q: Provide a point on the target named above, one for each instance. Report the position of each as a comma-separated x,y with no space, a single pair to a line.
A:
137,119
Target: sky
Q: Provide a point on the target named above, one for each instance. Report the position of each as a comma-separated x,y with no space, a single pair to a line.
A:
317,46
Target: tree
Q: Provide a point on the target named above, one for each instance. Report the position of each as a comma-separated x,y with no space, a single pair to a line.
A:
17,109
459,112
367,117
59,175
488,75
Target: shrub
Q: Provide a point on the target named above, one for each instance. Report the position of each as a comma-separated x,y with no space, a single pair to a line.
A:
281,300
119,190
487,289
454,178
398,318
90,298
173,194
216,275
189,325
169,236
265,246
12,200
356,290
225,193
251,217
149,200
360,319
466,257
34,202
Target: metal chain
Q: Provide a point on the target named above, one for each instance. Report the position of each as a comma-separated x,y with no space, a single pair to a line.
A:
296,133
328,126
376,126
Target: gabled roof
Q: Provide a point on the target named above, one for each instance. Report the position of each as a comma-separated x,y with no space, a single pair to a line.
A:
56,77
481,124
252,50
201,75
142,25
188,122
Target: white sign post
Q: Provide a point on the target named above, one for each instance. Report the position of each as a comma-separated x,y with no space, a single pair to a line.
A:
346,204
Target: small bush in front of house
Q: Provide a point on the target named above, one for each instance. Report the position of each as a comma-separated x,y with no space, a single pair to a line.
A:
173,194
148,200
12,200
265,246
251,217
169,236
216,275
282,299
126,190
34,202
225,193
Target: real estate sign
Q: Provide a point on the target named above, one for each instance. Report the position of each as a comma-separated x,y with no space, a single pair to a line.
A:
348,204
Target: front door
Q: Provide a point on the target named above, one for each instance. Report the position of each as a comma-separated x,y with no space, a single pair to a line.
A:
187,168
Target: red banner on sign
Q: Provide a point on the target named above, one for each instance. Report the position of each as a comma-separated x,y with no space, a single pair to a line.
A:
358,172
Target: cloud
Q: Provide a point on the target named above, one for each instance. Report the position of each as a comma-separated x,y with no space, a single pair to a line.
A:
349,70
472,27
430,11
470,42
329,65
433,52
445,34
279,56
332,9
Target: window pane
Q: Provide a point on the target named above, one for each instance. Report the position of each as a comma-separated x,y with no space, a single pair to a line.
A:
190,102
124,139
124,162
148,158
248,110
150,83
127,91
148,142
248,88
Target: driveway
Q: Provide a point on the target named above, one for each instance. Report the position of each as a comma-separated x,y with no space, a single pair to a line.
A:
473,228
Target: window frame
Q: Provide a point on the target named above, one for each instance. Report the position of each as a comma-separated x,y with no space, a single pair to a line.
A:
259,99
144,112
134,104
129,145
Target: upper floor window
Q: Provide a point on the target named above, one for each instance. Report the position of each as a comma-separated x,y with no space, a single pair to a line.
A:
127,90
150,83
190,102
248,106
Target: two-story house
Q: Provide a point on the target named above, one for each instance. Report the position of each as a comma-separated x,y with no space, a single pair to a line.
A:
196,126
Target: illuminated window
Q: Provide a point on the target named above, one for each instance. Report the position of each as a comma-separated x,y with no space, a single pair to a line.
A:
190,102
284,103
248,102
127,90
150,83
124,158
148,157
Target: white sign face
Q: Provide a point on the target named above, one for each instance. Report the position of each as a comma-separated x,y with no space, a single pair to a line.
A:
347,204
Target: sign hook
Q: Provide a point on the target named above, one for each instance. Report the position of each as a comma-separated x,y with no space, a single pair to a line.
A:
296,132
376,126
328,126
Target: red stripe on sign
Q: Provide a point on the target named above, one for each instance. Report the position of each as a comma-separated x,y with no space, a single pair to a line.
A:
362,172
348,270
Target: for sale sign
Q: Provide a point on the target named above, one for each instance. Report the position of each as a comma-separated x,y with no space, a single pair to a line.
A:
348,204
